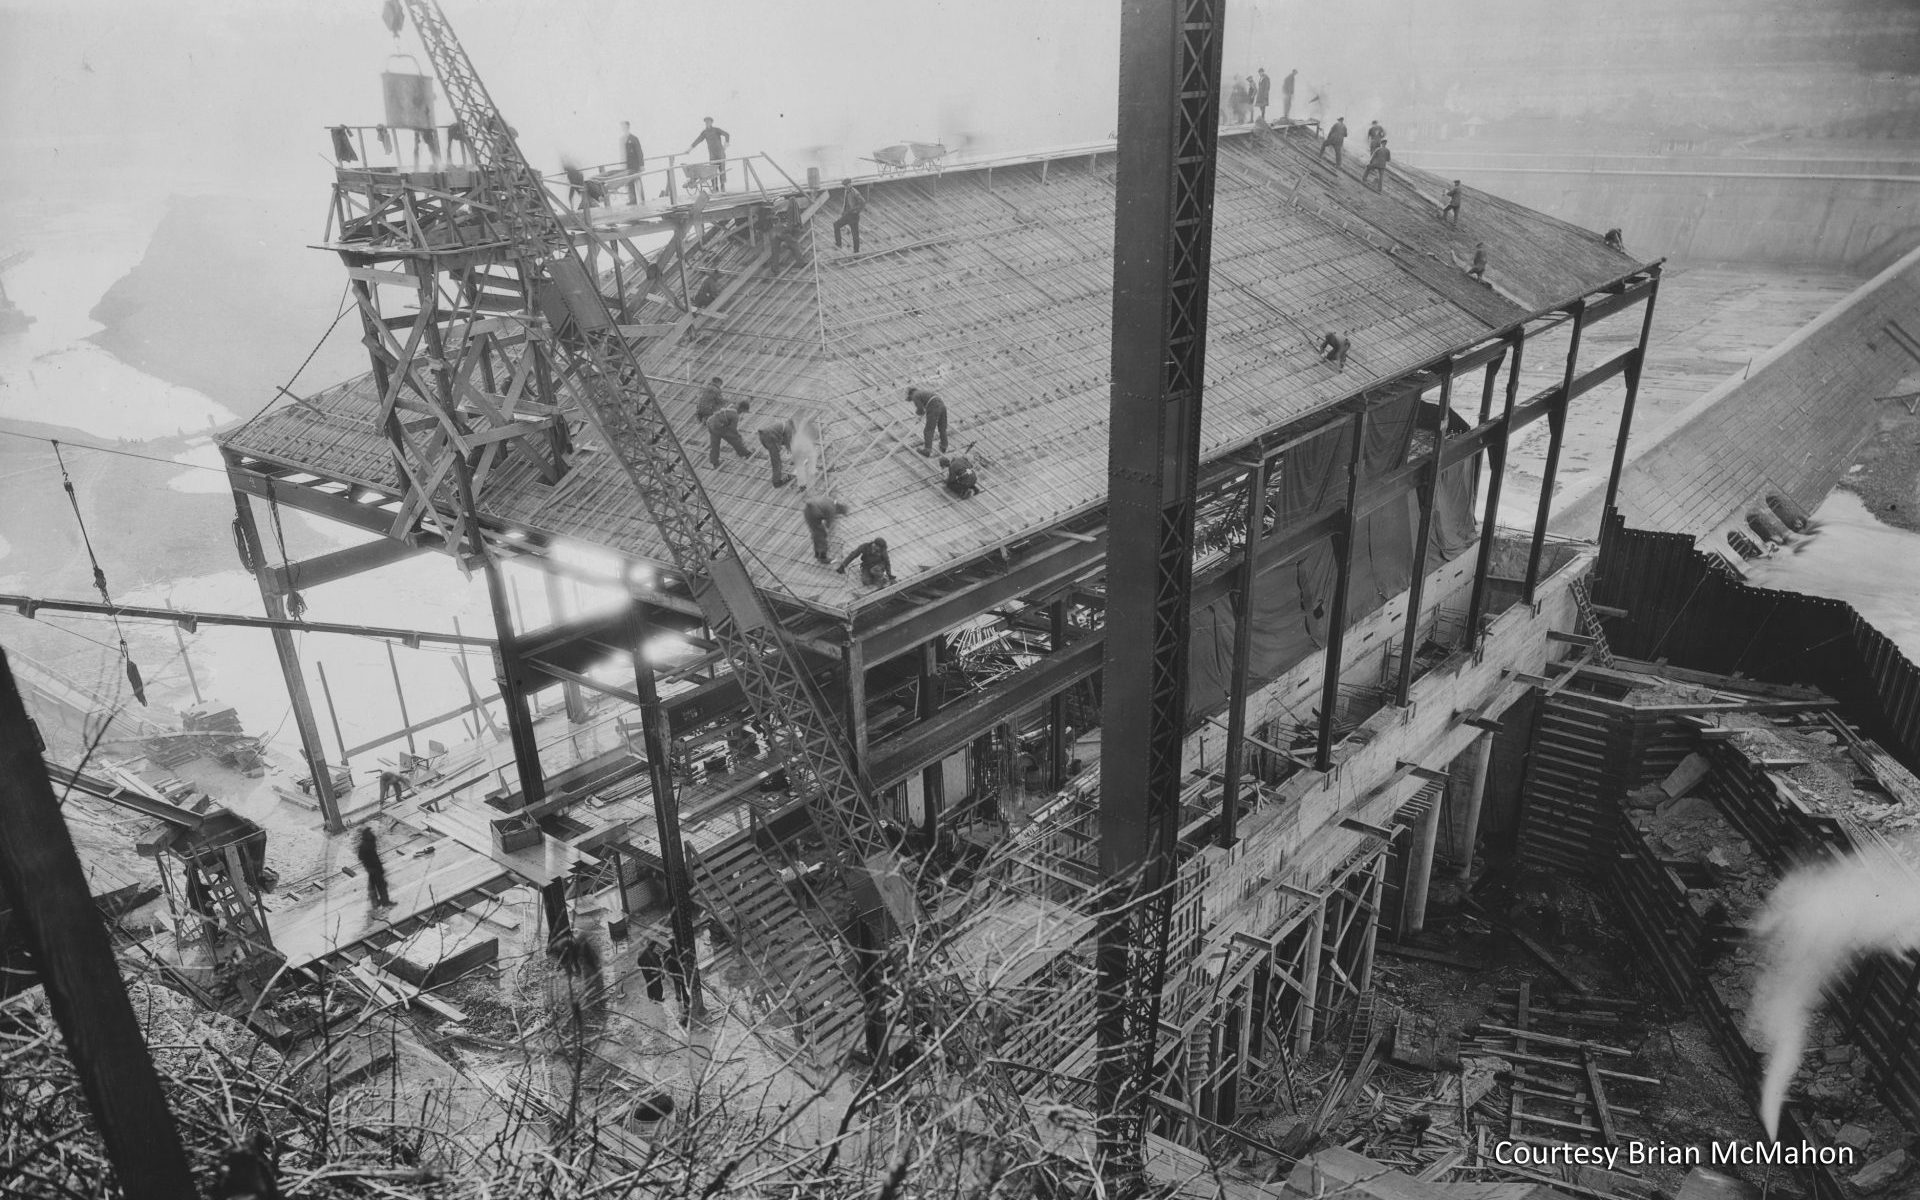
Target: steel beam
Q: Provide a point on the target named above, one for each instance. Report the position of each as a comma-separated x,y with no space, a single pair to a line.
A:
340,564
1633,392
658,740
1256,523
1342,585
284,649
1423,537
1497,461
28,606
1556,431
1163,229
1058,751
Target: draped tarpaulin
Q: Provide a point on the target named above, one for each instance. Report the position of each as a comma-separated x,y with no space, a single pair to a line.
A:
1293,600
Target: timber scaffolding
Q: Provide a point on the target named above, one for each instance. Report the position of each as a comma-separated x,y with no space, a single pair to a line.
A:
1350,490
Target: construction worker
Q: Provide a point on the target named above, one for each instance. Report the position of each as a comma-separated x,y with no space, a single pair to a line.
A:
1262,92
876,568
961,479
709,289
391,782
820,513
724,426
1451,213
1237,102
1334,347
1336,138
712,400
652,963
934,410
367,849
1377,166
1376,133
1286,95
852,204
1615,239
778,439
716,139
635,158
792,223
1479,268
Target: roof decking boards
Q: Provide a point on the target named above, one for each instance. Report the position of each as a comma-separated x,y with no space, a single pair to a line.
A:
993,287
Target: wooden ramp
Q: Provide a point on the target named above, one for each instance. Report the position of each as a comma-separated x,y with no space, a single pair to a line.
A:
803,969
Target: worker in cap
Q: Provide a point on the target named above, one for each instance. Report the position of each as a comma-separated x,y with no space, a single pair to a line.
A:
716,139
786,242
961,479
934,411
778,440
852,204
820,513
1334,347
367,849
1451,213
1376,133
1336,138
1479,268
724,426
876,568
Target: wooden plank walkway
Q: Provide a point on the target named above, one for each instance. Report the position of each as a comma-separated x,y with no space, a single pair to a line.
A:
425,889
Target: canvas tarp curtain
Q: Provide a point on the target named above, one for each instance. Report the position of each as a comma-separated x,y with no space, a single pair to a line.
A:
1292,600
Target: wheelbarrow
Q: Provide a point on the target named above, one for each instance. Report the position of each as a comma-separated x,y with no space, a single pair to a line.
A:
893,158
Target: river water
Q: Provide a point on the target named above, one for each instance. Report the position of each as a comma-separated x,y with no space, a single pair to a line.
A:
1853,556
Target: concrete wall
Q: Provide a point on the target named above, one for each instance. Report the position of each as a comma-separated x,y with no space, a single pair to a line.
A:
1852,214
1788,425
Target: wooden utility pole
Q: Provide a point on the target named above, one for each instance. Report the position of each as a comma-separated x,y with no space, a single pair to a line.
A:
41,878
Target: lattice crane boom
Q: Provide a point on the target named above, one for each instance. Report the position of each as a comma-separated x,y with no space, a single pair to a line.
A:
605,380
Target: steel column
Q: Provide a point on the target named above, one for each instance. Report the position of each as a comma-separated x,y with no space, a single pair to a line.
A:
575,699
1242,655
854,698
933,775
1429,489
1310,980
1489,520
1163,227
289,655
1059,752
1337,611
658,740
1556,433
1633,392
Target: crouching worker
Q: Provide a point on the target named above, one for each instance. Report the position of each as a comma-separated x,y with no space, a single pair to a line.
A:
1334,347
820,513
961,479
876,568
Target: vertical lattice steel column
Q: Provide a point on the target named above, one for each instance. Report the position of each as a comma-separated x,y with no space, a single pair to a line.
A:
1163,227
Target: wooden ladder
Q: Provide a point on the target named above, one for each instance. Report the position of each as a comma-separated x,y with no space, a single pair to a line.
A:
1590,622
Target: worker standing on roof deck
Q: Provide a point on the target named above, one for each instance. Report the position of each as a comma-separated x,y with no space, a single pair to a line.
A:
716,139
724,426
367,849
1286,95
934,409
820,513
961,479
1237,102
1336,138
852,204
792,223
712,400
876,568
1377,166
636,160
1334,347
1376,133
1451,213
778,439
1262,92
1479,268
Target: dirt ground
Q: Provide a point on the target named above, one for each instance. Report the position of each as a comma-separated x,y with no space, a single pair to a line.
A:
1886,472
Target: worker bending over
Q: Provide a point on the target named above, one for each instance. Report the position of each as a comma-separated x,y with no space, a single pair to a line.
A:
876,568
778,440
709,289
934,410
852,204
1377,166
1334,347
1336,138
820,513
786,241
724,426
961,479
1479,268
1451,213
